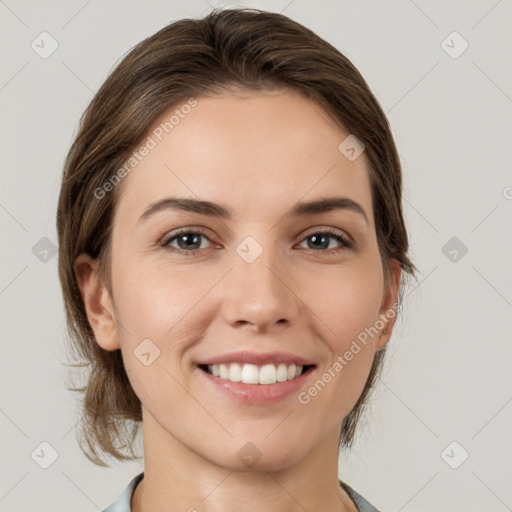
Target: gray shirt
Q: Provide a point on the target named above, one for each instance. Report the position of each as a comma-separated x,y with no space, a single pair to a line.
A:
122,504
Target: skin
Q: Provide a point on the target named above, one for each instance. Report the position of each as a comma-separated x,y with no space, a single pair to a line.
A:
258,154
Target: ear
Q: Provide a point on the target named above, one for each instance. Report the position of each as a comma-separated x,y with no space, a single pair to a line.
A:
388,310
97,301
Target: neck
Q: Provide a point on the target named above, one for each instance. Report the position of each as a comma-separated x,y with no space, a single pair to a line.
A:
178,479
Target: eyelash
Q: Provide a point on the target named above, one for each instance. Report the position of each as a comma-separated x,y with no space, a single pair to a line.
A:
345,243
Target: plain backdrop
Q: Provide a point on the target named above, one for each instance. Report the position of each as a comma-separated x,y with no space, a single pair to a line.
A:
438,433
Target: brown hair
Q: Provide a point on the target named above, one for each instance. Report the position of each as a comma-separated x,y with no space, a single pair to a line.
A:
248,48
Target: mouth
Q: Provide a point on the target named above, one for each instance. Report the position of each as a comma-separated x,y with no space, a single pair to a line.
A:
265,374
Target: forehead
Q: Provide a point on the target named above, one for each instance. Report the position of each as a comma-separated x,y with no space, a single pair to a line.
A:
245,149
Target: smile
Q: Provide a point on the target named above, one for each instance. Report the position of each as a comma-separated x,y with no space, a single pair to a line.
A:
254,374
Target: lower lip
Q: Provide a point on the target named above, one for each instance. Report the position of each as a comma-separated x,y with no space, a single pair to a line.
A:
256,393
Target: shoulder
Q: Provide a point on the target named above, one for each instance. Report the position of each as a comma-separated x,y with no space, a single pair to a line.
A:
362,504
122,503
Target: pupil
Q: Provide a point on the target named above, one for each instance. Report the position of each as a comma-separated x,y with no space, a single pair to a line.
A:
323,238
190,240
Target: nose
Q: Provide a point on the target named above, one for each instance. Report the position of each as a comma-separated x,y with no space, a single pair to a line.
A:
259,295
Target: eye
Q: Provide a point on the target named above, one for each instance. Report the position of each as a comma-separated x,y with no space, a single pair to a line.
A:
188,242
320,240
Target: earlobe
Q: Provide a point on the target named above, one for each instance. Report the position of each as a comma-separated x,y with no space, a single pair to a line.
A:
389,304
97,301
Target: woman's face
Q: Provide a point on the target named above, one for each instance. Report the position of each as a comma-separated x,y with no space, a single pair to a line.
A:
260,280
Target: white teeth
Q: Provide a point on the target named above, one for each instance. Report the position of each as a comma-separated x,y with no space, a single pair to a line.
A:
252,374
282,373
268,374
223,371
235,373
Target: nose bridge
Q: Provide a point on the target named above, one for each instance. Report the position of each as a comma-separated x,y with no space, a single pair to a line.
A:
257,290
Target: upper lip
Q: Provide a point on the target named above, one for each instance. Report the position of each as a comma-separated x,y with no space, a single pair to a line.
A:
246,357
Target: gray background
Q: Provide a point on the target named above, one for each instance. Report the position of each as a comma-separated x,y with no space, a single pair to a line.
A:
447,377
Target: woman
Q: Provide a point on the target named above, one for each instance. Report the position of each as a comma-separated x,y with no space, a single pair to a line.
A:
232,254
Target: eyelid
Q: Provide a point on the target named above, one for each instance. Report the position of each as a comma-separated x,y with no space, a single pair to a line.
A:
330,230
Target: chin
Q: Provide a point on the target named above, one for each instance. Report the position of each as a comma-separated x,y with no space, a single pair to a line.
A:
258,456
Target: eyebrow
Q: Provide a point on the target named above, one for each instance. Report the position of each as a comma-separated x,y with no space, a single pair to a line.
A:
216,210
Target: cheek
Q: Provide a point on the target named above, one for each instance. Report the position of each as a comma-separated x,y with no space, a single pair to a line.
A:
346,302
151,310
152,300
